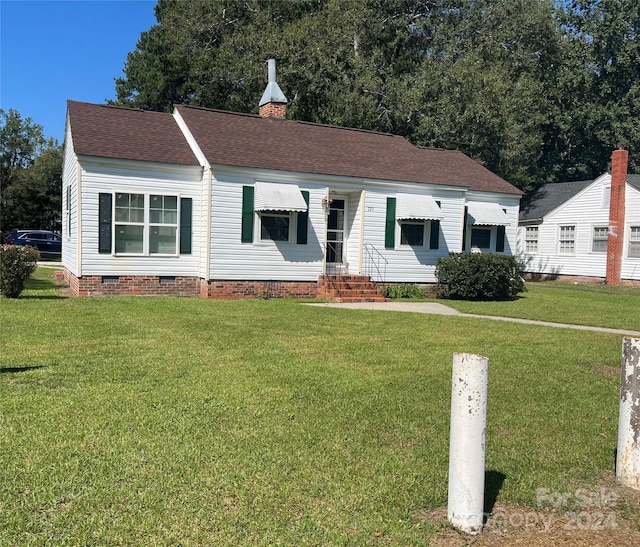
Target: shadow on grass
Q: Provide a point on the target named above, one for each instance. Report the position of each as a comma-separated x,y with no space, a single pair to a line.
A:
493,481
26,368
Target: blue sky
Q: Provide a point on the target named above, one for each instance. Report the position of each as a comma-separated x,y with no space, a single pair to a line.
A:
54,50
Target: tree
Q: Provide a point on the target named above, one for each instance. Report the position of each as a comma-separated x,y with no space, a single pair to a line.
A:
30,175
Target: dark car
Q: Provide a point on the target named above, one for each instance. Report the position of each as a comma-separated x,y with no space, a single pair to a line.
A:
48,243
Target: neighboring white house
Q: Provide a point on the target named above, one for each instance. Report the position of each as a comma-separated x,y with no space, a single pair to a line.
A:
566,228
223,204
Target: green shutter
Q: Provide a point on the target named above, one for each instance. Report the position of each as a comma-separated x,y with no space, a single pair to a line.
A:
500,239
435,234
303,221
247,214
390,224
185,225
104,223
464,228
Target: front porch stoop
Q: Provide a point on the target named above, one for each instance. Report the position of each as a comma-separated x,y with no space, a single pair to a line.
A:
349,288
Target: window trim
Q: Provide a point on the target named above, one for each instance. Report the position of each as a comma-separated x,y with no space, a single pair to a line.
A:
426,233
292,228
561,240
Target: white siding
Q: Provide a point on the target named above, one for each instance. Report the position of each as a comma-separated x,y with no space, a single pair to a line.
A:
631,266
136,177
410,264
70,189
262,260
510,204
585,211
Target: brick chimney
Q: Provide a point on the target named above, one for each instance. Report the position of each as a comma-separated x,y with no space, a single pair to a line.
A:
273,103
615,241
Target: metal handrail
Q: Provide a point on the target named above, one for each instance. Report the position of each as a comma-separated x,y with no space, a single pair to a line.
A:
375,265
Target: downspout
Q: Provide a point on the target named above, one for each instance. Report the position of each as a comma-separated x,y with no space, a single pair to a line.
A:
207,240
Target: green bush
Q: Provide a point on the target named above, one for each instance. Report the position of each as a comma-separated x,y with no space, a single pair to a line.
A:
17,263
403,291
473,276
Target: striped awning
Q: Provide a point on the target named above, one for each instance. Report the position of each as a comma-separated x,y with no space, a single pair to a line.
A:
417,207
271,196
486,214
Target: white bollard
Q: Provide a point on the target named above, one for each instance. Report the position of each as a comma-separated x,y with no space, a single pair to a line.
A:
468,442
628,457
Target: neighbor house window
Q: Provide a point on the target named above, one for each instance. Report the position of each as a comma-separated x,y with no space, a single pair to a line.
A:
481,238
531,239
567,240
634,242
412,233
599,242
274,226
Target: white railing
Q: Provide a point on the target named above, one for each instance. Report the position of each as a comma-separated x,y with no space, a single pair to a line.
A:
374,264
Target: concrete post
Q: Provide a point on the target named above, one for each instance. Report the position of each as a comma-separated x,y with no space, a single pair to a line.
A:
628,457
467,442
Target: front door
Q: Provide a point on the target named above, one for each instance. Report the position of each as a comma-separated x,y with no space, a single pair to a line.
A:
334,256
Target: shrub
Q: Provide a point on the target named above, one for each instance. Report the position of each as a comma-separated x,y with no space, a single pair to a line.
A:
17,263
403,291
472,276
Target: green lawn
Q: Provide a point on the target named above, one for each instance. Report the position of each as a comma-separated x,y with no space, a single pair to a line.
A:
164,421
597,305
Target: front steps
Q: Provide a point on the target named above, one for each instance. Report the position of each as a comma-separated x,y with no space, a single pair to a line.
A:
349,288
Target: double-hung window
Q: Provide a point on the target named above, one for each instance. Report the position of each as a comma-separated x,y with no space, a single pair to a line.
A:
129,223
144,224
634,242
567,240
531,239
599,241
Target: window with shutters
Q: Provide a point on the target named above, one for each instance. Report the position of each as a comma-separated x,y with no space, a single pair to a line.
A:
144,224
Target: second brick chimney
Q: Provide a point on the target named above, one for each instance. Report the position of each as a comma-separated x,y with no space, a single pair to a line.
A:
615,241
273,103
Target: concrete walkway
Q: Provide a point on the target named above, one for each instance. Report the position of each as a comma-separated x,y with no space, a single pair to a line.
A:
441,309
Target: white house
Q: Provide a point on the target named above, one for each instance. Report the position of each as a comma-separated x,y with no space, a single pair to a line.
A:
584,229
220,204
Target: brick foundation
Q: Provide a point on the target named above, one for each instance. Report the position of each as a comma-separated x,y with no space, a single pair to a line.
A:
138,285
581,279
258,289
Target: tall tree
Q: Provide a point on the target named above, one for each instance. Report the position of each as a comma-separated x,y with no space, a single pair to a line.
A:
30,175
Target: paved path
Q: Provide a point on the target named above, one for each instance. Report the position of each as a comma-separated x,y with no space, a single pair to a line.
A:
441,309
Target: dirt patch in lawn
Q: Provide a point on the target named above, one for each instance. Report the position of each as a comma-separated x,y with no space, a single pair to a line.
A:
605,516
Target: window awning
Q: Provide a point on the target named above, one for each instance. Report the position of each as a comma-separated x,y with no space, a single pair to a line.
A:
487,214
279,197
417,207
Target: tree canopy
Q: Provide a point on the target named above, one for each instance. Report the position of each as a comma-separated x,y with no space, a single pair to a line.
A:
536,90
30,175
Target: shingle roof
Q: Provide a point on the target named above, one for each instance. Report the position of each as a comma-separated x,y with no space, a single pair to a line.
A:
549,197
246,140
126,133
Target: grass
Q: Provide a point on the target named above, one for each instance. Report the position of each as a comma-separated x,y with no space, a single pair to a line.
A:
163,421
596,305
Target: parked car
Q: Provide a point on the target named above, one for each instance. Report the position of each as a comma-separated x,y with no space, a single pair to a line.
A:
48,243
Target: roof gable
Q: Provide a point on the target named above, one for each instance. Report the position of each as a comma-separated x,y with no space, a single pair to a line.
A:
246,140
551,196
126,133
